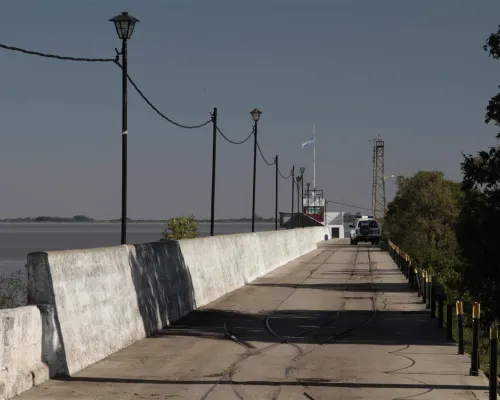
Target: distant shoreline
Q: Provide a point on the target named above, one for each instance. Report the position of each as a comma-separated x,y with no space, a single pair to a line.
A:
148,221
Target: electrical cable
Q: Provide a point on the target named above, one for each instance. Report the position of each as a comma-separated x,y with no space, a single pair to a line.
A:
232,141
55,56
264,158
260,150
348,205
289,175
158,111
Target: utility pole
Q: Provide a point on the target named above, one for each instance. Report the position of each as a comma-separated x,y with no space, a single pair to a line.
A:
378,189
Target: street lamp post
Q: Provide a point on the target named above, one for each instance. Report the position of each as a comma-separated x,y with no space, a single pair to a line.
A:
293,194
298,179
124,24
256,116
308,194
214,165
302,170
276,197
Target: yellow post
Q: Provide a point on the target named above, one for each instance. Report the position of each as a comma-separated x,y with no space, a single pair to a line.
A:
474,368
476,310
494,332
460,315
493,362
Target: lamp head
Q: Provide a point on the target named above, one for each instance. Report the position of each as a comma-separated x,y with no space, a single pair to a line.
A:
124,25
255,114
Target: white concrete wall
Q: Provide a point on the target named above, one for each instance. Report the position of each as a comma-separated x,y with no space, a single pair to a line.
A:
108,298
21,364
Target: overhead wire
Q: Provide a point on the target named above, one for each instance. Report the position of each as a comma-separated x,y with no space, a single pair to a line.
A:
348,205
273,163
56,56
258,146
232,141
289,175
262,155
141,94
103,60
157,110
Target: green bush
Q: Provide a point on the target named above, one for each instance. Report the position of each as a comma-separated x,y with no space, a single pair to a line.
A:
13,290
181,228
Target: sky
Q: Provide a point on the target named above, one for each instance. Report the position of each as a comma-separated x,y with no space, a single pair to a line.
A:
413,72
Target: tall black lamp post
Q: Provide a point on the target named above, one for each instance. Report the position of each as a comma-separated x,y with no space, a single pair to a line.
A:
308,194
302,170
298,179
214,163
124,24
293,192
276,196
256,116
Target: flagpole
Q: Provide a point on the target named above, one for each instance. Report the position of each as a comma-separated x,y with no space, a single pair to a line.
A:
314,157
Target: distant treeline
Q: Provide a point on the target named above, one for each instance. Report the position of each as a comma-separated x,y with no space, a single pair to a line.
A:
76,218
84,218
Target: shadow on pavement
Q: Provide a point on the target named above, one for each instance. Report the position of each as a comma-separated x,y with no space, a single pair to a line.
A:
360,287
301,382
380,328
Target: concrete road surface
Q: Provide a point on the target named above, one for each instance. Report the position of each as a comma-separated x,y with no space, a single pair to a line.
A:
337,323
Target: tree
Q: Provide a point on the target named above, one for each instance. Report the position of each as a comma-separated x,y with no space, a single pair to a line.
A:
479,222
421,220
181,228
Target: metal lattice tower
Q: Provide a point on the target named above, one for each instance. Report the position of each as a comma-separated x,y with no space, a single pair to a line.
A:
378,190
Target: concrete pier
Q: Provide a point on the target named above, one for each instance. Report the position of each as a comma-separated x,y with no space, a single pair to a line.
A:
337,322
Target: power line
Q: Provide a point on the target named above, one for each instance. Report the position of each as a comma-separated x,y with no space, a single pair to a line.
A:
232,141
55,56
258,146
289,175
158,111
139,91
264,158
348,205
273,163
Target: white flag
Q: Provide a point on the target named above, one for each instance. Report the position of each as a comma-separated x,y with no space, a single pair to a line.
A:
308,143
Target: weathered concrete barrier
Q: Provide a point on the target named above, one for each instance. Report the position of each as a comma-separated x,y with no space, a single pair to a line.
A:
20,351
95,302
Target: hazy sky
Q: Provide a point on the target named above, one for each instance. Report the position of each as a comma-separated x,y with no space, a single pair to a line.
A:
411,71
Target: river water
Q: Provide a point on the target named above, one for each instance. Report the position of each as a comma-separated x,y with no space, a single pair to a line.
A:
17,239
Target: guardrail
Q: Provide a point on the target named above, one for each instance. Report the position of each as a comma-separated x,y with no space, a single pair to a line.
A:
432,294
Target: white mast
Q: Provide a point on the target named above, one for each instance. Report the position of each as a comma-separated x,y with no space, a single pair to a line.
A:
314,157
